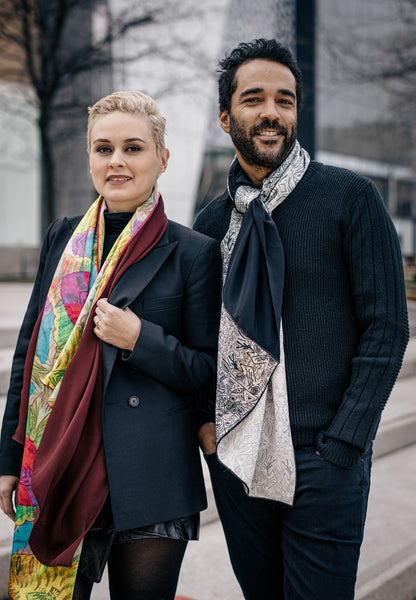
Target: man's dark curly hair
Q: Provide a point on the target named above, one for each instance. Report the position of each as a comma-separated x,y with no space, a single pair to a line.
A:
246,51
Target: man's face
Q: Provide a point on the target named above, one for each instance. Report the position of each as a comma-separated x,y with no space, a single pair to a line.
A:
263,117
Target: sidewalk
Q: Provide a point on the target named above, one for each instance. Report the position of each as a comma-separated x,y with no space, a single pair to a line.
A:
388,556
387,569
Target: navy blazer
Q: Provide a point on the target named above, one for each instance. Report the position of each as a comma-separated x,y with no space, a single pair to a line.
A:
154,395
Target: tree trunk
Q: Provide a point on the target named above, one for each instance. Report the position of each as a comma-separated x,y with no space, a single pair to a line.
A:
48,204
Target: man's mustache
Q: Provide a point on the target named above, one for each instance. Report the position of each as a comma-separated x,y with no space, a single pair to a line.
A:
267,124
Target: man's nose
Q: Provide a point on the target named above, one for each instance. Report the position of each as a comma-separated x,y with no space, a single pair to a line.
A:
270,109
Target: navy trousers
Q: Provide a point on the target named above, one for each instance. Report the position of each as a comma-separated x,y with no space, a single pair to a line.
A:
306,552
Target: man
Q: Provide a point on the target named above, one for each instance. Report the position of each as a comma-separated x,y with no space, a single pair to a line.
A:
313,332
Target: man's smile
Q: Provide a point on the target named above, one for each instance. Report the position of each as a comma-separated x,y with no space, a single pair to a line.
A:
268,132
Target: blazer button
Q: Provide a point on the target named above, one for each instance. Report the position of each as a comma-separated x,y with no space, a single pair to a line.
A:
134,401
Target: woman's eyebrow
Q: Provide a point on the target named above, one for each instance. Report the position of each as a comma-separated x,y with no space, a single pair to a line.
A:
105,140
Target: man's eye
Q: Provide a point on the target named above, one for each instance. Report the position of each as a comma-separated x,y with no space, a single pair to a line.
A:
252,100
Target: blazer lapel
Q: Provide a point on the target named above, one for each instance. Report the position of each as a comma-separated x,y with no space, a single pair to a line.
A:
131,285
139,275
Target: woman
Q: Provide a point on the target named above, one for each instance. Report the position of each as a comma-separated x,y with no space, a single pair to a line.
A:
113,369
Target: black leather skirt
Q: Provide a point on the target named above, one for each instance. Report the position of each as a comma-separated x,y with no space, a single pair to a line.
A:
102,535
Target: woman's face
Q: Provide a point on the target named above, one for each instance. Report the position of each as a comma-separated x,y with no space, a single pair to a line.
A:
124,164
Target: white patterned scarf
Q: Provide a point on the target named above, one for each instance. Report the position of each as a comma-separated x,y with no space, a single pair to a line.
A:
252,416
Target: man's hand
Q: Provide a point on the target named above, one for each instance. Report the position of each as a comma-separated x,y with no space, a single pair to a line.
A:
118,327
206,438
8,485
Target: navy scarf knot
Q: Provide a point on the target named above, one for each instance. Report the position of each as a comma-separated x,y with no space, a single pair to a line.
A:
253,289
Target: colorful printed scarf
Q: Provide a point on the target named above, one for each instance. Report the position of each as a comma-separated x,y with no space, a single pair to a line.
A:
252,414
63,483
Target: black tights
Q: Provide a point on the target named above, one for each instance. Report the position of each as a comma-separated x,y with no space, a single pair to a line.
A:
145,569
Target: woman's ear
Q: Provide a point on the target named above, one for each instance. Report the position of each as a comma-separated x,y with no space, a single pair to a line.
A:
225,120
164,156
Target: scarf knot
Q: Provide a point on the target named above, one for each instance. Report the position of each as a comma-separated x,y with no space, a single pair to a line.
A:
244,196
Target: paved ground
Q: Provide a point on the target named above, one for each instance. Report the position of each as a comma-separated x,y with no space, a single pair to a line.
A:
206,573
389,547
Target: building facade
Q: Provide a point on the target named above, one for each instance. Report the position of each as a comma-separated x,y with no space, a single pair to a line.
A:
350,117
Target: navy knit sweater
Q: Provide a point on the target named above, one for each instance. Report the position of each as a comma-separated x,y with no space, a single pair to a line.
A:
344,317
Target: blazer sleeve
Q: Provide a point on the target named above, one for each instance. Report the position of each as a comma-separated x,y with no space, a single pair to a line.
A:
187,365
11,451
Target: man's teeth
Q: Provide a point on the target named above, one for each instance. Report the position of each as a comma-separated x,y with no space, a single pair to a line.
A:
269,133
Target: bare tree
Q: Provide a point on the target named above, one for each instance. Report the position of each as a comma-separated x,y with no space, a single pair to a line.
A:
374,44
388,40
52,45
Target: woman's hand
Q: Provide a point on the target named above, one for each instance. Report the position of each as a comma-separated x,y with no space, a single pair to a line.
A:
118,327
206,438
8,485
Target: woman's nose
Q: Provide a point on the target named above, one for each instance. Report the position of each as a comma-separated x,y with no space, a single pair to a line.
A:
117,158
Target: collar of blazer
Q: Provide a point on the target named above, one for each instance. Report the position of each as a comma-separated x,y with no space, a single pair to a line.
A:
138,275
130,286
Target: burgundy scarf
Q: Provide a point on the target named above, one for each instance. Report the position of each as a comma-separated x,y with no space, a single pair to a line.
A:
69,473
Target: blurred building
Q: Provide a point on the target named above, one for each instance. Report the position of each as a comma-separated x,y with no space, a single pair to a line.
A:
20,172
350,118
365,119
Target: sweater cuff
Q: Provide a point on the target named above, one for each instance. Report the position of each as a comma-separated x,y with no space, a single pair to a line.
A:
337,452
204,411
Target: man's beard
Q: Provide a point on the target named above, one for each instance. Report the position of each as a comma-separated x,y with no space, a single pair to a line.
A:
252,155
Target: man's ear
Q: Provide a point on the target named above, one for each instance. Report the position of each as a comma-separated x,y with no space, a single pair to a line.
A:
225,120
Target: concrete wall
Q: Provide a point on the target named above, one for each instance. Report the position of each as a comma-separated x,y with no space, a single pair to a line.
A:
19,168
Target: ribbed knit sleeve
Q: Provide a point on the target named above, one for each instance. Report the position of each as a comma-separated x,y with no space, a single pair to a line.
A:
374,262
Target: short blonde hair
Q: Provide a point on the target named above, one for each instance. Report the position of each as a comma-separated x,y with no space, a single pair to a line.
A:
136,103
